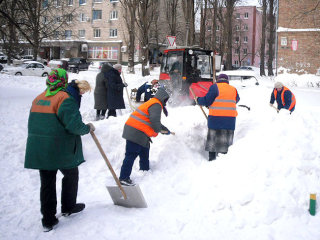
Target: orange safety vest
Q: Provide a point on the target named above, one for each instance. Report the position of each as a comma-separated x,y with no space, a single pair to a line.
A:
293,98
225,104
140,118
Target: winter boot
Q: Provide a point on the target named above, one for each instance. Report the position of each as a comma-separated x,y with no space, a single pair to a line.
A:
126,182
77,208
97,117
48,225
212,156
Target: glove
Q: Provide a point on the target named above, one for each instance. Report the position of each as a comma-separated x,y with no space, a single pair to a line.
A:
125,84
92,128
164,132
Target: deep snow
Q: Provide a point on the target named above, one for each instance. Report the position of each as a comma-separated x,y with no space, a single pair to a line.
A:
259,190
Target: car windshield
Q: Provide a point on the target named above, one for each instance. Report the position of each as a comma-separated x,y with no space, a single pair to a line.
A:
24,65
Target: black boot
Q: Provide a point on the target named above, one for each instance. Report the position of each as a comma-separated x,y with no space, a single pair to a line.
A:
212,156
77,208
49,224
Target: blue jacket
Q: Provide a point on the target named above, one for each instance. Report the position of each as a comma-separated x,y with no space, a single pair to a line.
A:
146,89
217,122
73,90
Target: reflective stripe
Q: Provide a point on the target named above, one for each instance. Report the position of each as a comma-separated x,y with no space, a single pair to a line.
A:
142,113
223,108
225,100
140,120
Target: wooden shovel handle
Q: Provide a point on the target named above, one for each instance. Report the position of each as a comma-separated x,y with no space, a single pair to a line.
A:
195,99
108,163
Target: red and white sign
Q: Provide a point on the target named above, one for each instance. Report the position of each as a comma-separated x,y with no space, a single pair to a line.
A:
294,45
171,40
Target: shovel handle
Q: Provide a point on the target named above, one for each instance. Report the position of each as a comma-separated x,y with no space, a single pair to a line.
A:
108,163
195,99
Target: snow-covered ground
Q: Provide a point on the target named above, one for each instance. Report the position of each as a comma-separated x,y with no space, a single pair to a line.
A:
259,190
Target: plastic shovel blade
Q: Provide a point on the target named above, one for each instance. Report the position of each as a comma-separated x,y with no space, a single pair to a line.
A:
134,199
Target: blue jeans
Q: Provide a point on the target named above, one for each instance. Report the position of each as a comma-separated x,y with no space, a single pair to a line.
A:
132,151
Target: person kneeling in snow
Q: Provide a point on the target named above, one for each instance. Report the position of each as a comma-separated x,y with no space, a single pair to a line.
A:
221,100
143,123
284,97
148,89
54,143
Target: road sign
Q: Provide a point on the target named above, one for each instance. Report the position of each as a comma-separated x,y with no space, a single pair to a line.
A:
171,40
294,45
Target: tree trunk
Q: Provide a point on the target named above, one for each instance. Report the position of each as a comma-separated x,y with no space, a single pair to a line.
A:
263,38
271,38
230,8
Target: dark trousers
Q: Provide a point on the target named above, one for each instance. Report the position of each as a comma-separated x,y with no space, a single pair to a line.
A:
48,195
112,112
132,151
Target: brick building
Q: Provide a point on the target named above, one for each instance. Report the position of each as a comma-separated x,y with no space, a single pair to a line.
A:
298,34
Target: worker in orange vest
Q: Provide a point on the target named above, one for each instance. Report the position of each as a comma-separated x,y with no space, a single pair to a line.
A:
221,100
284,97
143,123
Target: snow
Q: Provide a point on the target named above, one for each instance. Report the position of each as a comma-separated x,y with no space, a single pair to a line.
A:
259,190
282,29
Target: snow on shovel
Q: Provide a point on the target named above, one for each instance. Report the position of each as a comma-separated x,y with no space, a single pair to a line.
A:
126,196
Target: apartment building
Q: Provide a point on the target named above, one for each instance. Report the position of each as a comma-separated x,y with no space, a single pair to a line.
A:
96,31
298,33
247,24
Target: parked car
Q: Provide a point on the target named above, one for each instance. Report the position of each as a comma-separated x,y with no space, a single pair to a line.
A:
3,58
78,64
28,68
246,68
55,63
28,58
96,65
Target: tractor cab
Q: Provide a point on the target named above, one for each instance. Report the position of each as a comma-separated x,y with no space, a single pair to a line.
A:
185,67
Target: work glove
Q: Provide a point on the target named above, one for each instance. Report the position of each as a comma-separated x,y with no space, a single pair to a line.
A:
92,128
165,131
125,84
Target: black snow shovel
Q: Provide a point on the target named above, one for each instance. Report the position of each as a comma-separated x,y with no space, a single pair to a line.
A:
126,196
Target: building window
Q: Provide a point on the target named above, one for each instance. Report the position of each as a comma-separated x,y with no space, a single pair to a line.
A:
217,39
237,28
236,62
97,14
237,39
82,17
245,27
245,39
245,51
69,18
97,33
97,1
217,28
58,19
113,33
114,1
82,33
45,19
284,41
246,15
236,51
68,34
70,2
113,15
82,2
209,28
45,4
57,3
237,15
110,53
56,34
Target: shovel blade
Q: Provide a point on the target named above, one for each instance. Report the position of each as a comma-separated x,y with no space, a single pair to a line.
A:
134,199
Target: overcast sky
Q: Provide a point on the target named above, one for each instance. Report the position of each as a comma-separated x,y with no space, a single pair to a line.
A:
250,3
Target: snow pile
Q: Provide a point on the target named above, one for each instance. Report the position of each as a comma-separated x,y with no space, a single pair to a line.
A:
259,190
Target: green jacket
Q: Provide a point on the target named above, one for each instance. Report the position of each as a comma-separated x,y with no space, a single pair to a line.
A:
54,130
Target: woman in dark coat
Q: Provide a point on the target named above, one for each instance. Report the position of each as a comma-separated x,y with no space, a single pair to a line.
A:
115,90
100,92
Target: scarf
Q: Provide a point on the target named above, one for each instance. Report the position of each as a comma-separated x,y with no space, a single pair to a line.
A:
56,81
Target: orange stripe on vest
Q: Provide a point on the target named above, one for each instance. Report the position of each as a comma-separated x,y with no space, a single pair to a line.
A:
225,104
140,119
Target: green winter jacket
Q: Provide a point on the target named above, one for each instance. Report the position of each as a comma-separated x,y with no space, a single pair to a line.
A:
54,130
